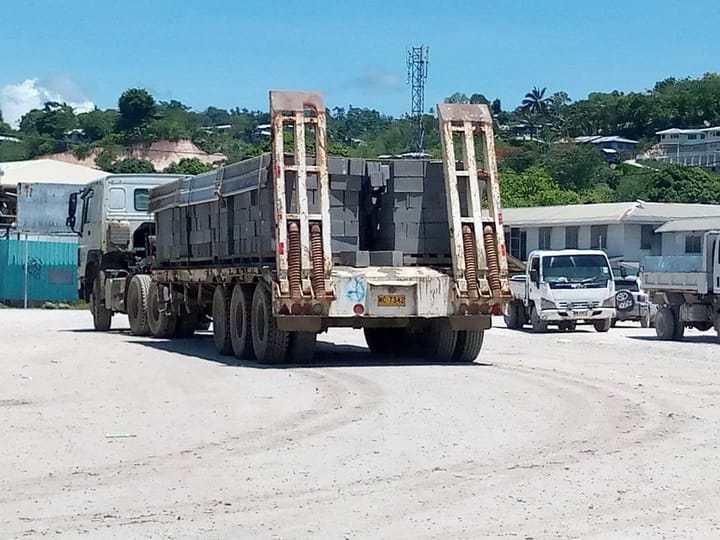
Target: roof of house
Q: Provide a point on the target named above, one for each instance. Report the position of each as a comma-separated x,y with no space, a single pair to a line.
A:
45,171
606,213
599,139
691,225
674,131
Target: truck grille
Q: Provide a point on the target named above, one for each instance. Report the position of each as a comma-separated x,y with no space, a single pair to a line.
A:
577,306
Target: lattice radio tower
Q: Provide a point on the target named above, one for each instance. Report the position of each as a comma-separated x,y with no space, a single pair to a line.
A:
417,71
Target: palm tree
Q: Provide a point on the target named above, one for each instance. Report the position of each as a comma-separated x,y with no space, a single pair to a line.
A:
535,103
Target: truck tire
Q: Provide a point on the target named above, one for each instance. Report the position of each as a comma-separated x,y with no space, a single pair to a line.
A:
665,323
137,305
301,347
162,323
679,329
240,335
512,317
538,325
102,317
602,325
187,321
221,320
468,346
440,341
269,342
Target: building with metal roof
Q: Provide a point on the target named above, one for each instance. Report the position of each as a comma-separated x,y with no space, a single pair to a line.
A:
698,147
628,231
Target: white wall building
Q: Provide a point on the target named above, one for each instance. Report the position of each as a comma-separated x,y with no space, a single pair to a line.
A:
626,231
692,147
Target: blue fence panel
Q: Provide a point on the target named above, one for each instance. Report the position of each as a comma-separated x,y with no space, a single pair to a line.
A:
52,269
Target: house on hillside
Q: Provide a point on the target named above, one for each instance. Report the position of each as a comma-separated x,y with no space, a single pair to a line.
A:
691,147
684,236
626,231
613,147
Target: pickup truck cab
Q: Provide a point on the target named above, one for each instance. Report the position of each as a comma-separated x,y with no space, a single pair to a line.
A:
563,288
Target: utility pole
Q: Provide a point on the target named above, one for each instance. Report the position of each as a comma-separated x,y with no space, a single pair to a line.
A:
417,71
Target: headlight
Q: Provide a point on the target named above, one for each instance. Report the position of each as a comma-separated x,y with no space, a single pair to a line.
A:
547,304
609,302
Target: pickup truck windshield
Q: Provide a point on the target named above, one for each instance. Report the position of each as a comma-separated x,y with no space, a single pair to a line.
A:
573,271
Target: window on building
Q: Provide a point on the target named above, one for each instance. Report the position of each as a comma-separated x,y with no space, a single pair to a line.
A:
571,237
702,136
544,237
646,236
692,137
674,136
517,243
598,237
693,244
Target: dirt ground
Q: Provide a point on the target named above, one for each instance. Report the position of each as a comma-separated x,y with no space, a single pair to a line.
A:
580,435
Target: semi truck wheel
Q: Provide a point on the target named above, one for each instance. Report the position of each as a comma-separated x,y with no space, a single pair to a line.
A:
301,347
102,317
240,335
187,321
137,305
468,346
679,329
221,320
162,324
440,341
602,325
269,342
538,325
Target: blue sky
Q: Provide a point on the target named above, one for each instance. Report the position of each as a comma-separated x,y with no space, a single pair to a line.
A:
230,53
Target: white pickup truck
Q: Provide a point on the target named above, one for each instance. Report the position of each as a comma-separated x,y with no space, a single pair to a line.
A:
563,288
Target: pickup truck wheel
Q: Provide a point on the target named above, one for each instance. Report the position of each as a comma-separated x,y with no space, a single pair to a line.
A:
468,346
102,317
221,320
665,323
512,317
602,325
162,323
240,335
269,342
440,341
187,322
538,325
301,347
137,305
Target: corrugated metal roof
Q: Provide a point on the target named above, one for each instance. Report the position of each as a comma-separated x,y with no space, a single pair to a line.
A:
589,214
691,225
46,171
597,139
673,131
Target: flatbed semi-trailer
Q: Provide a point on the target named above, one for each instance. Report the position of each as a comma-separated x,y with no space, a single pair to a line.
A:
255,248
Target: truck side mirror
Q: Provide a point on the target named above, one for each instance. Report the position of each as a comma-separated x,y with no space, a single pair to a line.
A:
534,277
72,209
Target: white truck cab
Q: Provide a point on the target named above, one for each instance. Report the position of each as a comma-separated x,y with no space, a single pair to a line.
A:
111,217
563,288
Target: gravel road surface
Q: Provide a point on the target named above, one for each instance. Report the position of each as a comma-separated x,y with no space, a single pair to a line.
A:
581,435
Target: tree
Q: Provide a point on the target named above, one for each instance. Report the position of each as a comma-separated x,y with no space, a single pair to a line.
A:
137,107
534,187
132,166
479,99
574,166
457,97
535,103
190,166
496,106
97,124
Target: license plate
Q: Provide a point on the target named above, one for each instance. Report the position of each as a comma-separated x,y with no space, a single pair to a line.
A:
391,300
580,313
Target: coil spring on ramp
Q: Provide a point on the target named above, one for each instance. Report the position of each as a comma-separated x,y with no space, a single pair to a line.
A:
294,260
491,255
471,266
318,261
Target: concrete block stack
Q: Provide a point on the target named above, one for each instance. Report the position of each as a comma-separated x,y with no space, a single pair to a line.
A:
347,182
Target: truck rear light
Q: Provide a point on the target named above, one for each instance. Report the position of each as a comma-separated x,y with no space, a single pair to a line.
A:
463,309
296,309
485,308
284,310
317,309
307,309
474,309
359,309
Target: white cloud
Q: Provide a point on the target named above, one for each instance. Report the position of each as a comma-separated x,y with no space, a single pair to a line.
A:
18,99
